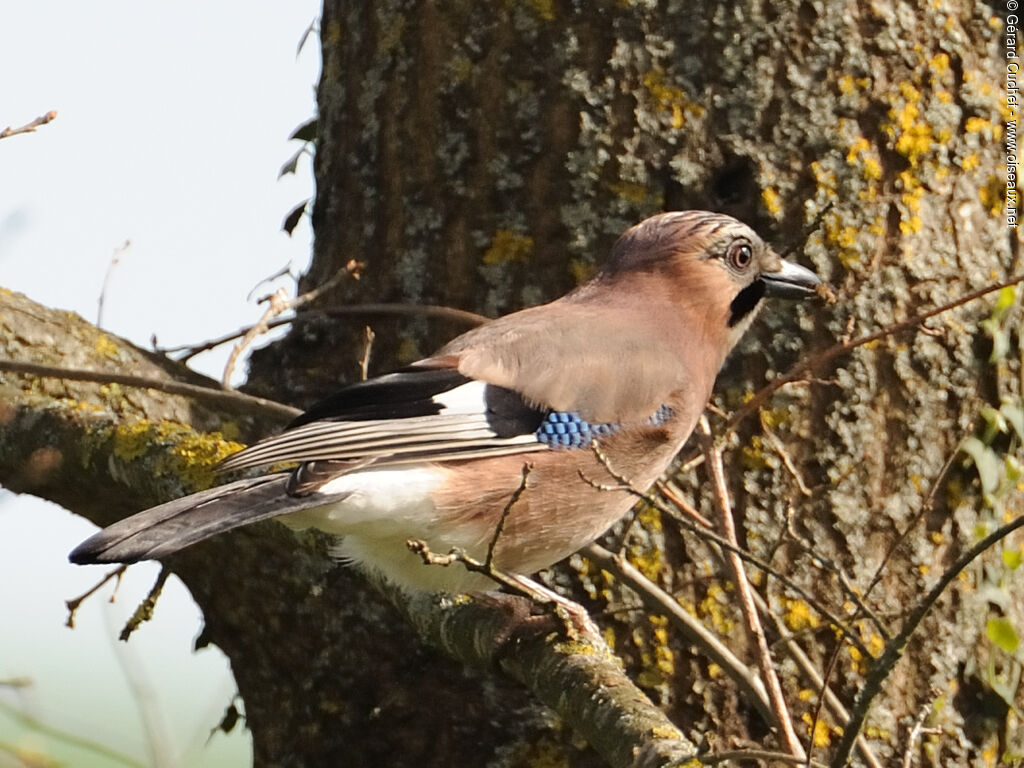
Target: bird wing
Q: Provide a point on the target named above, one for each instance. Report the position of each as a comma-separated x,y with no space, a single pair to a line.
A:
417,414
488,392
610,361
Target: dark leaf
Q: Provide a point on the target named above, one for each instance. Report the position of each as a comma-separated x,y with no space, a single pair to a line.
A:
292,164
291,221
305,36
306,131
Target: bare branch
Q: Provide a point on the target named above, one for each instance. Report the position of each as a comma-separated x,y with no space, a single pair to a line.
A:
863,609
144,611
787,461
739,755
277,303
704,532
914,737
470,319
884,664
818,680
29,127
75,603
926,507
713,459
813,361
216,396
364,360
487,567
657,599
115,260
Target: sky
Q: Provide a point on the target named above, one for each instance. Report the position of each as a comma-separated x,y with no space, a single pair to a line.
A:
172,124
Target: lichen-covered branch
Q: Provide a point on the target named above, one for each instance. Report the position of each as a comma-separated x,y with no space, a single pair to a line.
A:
579,678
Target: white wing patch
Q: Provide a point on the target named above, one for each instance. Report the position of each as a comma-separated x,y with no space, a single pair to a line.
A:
468,399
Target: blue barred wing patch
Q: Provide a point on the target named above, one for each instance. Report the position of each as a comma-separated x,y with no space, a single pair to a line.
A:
566,429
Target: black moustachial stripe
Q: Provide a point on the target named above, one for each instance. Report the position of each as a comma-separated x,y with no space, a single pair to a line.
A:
746,301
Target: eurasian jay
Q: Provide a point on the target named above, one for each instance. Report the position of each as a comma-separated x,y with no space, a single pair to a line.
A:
625,363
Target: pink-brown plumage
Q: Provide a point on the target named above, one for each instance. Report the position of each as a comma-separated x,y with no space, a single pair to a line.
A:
626,363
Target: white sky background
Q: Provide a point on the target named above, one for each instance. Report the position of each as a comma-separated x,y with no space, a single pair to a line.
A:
172,124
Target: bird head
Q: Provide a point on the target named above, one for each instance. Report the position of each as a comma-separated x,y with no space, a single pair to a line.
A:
715,259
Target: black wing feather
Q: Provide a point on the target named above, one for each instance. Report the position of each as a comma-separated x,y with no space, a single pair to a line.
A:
399,395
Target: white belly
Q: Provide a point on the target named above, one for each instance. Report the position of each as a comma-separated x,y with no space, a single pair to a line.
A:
383,510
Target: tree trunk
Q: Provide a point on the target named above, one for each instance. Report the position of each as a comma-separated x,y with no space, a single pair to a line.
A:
486,156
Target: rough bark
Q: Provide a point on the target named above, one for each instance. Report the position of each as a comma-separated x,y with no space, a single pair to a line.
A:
485,156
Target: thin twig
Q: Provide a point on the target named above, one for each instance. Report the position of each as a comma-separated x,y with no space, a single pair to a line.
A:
350,269
915,735
708,535
277,303
654,595
800,658
28,722
671,492
171,387
364,361
780,449
833,659
75,603
464,317
809,363
29,127
926,507
115,259
657,599
285,270
713,459
500,527
863,609
755,754
884,664
787,640
458,555
577,620
144,611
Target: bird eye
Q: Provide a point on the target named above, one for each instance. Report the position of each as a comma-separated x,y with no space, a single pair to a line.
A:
740,255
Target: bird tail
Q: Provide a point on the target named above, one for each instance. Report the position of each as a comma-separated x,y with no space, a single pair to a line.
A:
163,530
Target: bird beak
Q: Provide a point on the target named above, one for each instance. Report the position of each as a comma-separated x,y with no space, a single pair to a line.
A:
791,281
